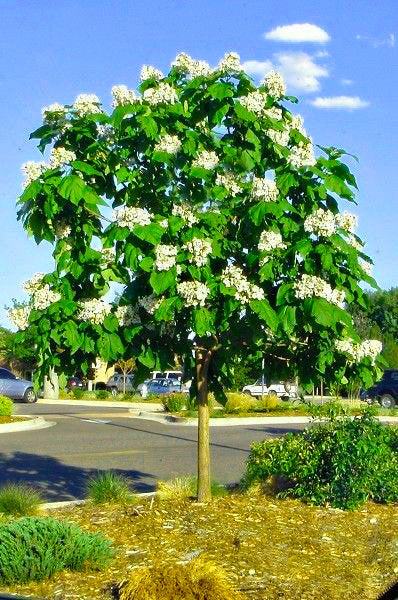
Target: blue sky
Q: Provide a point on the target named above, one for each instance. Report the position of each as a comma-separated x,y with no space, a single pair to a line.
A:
343,69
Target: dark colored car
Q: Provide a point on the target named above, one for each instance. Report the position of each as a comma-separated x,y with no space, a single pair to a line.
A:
159,386
15,388
74,383
385,391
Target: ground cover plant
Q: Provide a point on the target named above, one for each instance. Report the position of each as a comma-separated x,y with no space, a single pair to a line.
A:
225,225
18,499
34,548
270,549
341,462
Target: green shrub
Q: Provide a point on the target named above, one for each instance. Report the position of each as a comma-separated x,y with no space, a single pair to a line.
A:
238,402
110,487
78,394
65,395
19,500
6,405
102,394
341,462
174,402
130,397
34,548
267,403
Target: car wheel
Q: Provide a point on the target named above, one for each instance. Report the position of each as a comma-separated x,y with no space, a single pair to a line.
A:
387,401
29,396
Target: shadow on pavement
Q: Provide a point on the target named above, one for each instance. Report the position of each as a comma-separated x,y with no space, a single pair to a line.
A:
55,480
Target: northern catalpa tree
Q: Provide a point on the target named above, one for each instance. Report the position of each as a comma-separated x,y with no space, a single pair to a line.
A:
226,233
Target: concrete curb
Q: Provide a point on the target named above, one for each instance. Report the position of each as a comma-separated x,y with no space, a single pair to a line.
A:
66,503
31,425
153,406
231,421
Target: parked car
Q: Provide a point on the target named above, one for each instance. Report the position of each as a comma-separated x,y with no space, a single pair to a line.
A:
282,389
159,386
116,384
385,392
75,383
16,388
167,375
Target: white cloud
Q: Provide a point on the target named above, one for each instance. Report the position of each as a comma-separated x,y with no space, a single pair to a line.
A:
346,81
298,32
376,43
340,102
298,68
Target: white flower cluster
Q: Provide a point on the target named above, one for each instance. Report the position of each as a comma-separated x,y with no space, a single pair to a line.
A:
168,143
86,104
233,276
200,250
366,267
61,156
230,63
358,351
106,133
165,257
321,222
164,93
186,214
297,122
206,160
228,181
44,297
273,113
278,137
129,216
347,221
310,285
33,284
127,315
53,112
122,96
355,243
271,240
150,303
302,155
20,316
149,72
32,170
164,223
194,293
108,256
275,84
93,310
195,68
62,230
255,102
41,293
265,189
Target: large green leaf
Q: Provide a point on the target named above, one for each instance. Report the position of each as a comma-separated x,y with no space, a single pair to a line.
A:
72,335
265,312
244,114
167,308
147,358
72,188
149,125
221,90
85,168
149,233
161,280
287,318
202,321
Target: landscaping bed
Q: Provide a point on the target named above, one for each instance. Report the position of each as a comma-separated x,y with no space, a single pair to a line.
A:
270,549
7,420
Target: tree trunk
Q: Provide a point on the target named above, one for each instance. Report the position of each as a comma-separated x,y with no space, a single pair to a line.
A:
51,385
203,358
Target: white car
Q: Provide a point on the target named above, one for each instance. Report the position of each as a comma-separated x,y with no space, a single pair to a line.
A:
282,389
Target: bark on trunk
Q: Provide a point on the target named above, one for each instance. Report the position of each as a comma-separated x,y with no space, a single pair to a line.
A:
51,386
203,358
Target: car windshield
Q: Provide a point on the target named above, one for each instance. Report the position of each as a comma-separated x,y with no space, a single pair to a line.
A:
260,381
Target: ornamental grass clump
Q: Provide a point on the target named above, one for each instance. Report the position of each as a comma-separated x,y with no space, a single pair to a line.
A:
341,462
237,402
34,548
19,500
110,487
185,487
195,580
